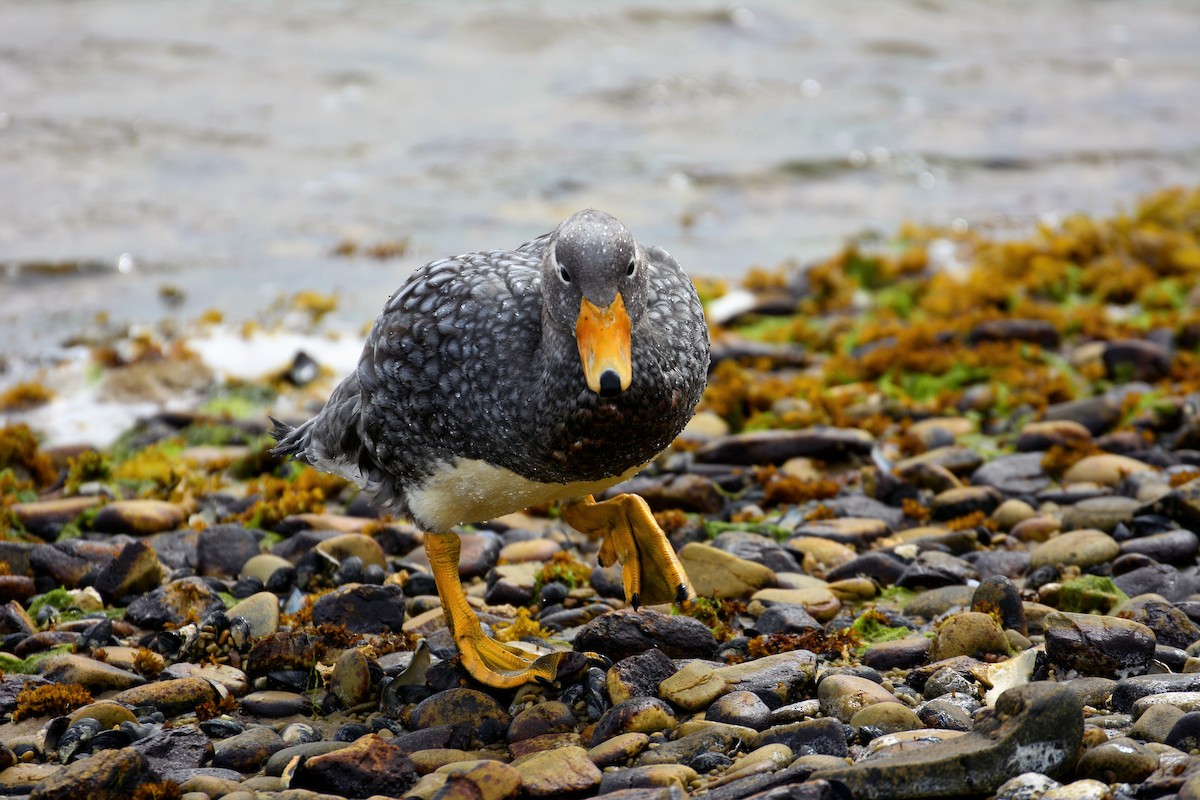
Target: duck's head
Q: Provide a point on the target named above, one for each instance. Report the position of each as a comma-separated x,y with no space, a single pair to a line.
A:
594,283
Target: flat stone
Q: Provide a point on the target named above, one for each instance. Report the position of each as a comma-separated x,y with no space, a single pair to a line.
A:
1085,548
175,753
819,555
368,766
618,750
246,751
641,777
14,619
742,708
170,696
1091,644
1042,435
777,446
223,550
1100,513
854,531
104,775
816,600
44,517
359,545
777,679
550,716
533,550
484,779
639,715
554,773
694,686
362,608
95,675
826,736
230,677
463,706
888,717
1120,760
625,633
1106,469
715,573
1036,728
1014,475
138,517
275,703
842,696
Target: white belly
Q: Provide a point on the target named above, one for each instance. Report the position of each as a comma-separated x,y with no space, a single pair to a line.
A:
474,491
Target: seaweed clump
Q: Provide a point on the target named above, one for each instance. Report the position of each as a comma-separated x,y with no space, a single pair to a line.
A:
20,452
54,699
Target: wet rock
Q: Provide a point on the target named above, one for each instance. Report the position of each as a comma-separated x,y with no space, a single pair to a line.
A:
966,500
757,548
999,595
1085,548
1037,331
246,751
825,736
483,779
173,603
1155,724
1019,474
463,706
1100,513
625,633
368,766
260,610
1184,734
639,675
785,618
1097,645
362,608
17,588
1129,690
174,753
14,619
136,569
223,550
970,633
884,567
1106,469
1035,728
888,717
897,653
742,708
618,750
263,566
1181,504
715,573
842,696
1136,360
1160,579
686,749
944,715
694,686
687,492
853,531
639,715
138,517
1171,626
934,602
47,517
663,776
554,773
353,545
1120,760
551,716
777,679
105,775
170,696
777,446
1170,547
95,675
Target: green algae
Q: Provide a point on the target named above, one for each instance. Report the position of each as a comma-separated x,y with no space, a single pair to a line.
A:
1090,593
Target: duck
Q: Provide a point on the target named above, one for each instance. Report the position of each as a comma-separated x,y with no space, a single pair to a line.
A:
494,381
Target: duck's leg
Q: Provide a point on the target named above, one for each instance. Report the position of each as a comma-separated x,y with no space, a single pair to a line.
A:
650,569
488,661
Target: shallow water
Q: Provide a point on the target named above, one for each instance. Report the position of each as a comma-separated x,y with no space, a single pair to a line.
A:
225,148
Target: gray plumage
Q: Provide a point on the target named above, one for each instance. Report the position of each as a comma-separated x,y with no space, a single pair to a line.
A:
475,357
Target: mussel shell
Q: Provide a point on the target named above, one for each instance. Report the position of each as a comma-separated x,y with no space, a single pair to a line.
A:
219,728
299,733
111,739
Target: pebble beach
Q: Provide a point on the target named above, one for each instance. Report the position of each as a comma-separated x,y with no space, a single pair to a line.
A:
939,504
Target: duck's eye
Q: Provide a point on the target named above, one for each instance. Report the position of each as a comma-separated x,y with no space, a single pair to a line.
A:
562,273
632,266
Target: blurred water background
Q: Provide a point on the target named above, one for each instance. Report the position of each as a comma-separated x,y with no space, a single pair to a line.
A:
224,148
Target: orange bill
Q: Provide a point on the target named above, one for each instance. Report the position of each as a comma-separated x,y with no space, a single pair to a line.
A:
603,338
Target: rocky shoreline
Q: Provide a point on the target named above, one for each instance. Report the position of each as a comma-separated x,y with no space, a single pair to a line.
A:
940,504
